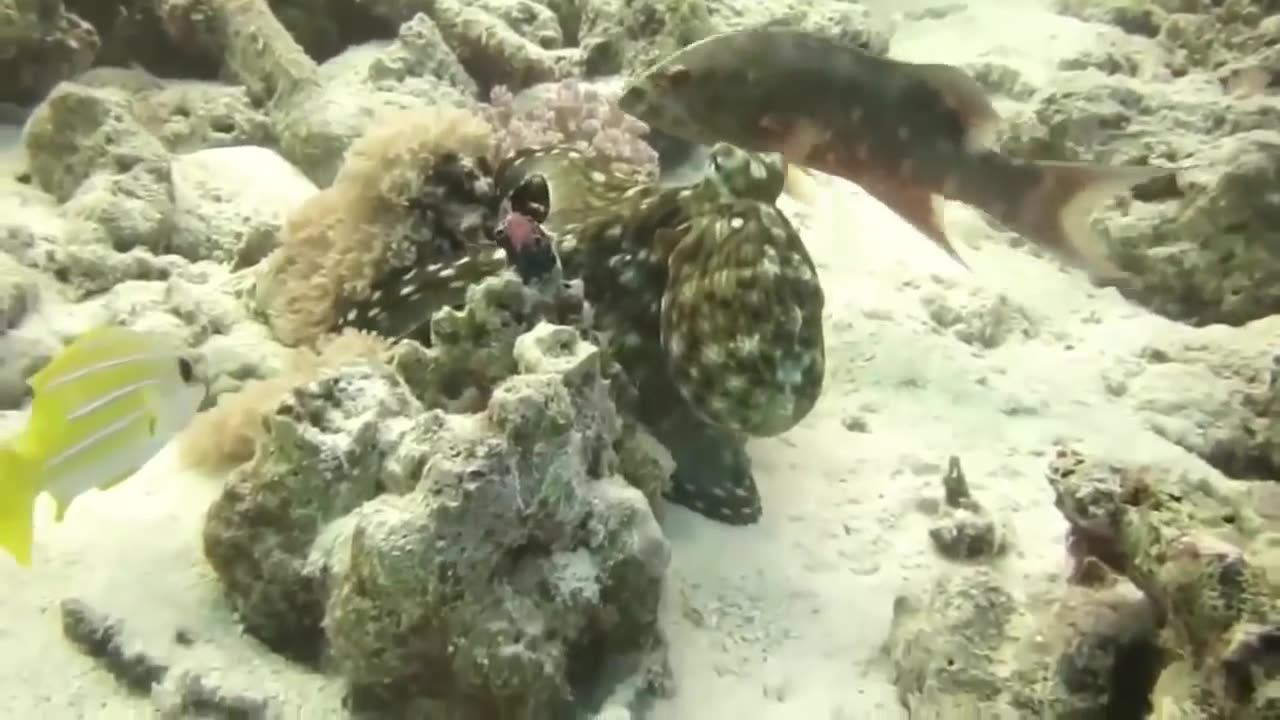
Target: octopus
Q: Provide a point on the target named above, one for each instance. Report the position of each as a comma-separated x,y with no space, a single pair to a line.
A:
707,299
454,241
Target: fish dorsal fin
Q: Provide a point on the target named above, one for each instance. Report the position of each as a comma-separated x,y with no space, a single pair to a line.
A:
964,95
75,354
79,374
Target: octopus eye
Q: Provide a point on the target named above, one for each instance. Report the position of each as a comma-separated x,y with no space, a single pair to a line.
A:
532,197
717,163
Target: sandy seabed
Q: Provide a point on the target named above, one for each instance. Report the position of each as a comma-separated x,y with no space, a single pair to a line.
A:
784,620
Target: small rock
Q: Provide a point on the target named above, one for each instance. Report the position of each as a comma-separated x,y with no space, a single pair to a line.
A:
855,423
99,636
964,530
78,132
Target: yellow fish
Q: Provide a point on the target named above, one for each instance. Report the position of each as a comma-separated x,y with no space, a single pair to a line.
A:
101,408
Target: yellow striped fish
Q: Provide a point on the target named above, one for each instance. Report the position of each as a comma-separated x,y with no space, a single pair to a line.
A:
101,408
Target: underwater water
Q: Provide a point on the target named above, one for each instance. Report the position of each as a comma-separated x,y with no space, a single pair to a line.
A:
657,359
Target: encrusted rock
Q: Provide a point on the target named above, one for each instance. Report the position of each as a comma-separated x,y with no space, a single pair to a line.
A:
78,132
1214,391
41,44
1132,16
230,203
134,209
472,348
490,560
623,36
973,644
77,253
319,122
191,116
1187,542
1195,34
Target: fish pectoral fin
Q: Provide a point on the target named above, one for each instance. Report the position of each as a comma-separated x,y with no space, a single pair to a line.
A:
60,509
968,99
919,207
797,138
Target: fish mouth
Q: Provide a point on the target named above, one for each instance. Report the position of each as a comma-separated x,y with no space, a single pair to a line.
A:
641,100
636,100
633,93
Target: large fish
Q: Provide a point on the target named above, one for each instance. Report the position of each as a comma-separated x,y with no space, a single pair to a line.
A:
101,408
905,132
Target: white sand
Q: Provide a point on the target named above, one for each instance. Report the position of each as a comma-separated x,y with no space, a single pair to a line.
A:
780,620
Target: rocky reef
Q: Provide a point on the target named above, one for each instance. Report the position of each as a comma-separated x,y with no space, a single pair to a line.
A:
437,468
1169,605
1172,609
441,496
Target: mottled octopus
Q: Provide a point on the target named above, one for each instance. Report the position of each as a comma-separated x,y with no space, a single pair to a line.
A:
708,298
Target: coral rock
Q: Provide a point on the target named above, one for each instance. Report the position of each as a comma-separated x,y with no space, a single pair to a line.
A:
353,91
230,203
78,132
42,44
496,562
973,644
1188,543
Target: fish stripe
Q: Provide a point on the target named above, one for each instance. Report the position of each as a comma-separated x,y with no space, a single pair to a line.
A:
94,438
106,399
98,367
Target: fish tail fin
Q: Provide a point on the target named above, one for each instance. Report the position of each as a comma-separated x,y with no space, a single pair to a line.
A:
17,503
1054,212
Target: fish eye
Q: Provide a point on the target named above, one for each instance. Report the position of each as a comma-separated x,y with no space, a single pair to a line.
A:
185,370
677,76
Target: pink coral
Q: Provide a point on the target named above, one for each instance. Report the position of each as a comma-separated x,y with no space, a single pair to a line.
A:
569,112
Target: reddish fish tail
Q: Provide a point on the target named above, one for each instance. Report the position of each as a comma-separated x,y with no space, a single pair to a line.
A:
1051,203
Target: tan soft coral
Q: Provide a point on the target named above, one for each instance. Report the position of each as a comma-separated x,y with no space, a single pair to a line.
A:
227,435
335,245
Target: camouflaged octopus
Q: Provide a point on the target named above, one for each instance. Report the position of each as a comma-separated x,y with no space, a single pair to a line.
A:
708,300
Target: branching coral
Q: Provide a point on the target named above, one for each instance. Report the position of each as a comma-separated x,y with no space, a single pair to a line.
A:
568,112
338,242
